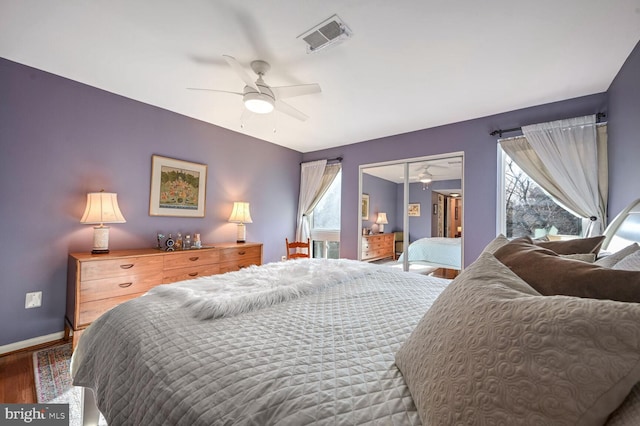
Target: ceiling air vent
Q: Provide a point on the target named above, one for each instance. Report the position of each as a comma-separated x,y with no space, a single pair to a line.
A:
330,32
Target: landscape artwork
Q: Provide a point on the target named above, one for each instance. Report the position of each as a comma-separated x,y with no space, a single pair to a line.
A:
177,188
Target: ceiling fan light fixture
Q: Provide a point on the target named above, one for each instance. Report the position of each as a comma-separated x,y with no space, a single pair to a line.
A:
258,103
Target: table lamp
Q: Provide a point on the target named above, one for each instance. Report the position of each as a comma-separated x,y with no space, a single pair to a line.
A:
241,215
102,207
381,221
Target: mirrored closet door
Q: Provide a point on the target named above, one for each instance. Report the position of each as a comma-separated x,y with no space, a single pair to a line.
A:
413,201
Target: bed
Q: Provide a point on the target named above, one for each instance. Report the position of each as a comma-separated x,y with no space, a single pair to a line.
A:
438,252
343,342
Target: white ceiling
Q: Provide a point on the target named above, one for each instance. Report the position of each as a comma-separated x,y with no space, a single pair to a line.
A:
449,168
411,64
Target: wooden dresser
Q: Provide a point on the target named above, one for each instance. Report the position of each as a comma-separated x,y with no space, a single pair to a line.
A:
378,246
97,283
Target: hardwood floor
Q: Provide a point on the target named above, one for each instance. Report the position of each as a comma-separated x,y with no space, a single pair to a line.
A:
17,382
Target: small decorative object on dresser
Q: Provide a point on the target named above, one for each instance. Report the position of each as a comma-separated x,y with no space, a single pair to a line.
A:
378,246
96,284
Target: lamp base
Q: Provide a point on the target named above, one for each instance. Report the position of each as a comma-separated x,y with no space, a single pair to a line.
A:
100,240
242,233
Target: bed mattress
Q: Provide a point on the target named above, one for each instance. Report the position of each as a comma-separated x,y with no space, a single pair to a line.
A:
326,357
436,251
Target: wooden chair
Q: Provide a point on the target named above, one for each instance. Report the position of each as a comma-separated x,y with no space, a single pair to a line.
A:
294,246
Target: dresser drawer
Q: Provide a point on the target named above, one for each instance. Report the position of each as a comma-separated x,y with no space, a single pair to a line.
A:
181,274
239,264
120,267
377,246
240,253
90,311
118,286
191,258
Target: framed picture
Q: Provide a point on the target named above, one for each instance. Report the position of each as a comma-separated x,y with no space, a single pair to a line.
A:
414,209
365,207
435,209
178,187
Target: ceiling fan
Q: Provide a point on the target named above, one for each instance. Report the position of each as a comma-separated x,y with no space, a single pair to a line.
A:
426,177
259,97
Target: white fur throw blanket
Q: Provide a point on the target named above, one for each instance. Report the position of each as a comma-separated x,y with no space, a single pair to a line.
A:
255,287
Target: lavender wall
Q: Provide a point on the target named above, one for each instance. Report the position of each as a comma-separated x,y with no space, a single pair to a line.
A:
60,139
420,226
382,198
624,134
480,174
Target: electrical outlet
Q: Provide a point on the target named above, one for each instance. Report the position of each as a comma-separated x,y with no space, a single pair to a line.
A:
283,258
33,300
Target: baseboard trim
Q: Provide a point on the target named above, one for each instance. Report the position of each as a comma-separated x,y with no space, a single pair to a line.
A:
29,343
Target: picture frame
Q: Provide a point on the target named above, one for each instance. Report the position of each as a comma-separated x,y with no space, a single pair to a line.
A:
364,208
178,187
435,209
414,209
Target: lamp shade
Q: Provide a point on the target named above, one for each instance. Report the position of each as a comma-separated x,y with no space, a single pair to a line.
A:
102,207
240,213
382,219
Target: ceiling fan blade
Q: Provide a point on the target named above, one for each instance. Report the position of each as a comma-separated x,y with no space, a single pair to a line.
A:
244,76
215,90
298,90
289,110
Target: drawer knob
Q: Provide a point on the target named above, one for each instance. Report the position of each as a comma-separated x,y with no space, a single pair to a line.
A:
127,266
193,274
125,285
242,252
194,258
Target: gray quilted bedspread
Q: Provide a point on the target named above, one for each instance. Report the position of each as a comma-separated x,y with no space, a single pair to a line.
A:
326,358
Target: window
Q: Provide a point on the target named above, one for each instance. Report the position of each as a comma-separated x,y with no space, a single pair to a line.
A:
525,209
325,222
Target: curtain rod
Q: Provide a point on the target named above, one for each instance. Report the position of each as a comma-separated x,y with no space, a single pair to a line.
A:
499,132
329,160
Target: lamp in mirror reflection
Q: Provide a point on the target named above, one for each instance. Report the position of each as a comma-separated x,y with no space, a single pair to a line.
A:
102,207
381,221
240,214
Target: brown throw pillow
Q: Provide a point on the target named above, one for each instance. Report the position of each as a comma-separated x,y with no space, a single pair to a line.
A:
578,245
551,274
491,350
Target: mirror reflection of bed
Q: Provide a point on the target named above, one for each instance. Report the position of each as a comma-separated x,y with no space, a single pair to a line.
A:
431,187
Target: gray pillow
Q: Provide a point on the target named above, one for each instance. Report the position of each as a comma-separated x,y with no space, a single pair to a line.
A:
610,260
495,244
629,263
491,350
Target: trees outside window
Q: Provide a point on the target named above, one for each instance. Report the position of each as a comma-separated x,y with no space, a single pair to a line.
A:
528,210
325,222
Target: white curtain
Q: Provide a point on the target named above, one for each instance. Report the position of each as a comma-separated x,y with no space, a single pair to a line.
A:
315,179
567,158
